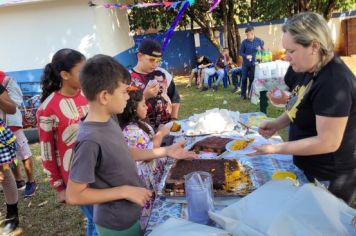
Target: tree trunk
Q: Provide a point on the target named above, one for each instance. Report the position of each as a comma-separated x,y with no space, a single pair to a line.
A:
204,21
233,33
225,21
253,9
329,9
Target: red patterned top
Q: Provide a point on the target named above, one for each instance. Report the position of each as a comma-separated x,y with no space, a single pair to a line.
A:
58,120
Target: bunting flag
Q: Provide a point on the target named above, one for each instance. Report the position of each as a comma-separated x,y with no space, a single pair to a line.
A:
165,4
215,4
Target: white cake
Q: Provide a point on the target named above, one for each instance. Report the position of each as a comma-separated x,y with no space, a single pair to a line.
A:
212,121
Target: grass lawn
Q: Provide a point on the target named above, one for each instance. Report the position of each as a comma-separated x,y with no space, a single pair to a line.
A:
42,215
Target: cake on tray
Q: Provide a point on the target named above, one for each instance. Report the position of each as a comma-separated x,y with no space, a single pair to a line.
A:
211,144
229,177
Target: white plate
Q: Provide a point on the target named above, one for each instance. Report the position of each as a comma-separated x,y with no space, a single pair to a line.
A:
178,133
259,140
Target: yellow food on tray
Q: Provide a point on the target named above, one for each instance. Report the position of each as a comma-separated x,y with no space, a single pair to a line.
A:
236,179
175,127
241,144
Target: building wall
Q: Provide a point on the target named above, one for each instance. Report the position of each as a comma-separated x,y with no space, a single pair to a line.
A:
33,32
271,32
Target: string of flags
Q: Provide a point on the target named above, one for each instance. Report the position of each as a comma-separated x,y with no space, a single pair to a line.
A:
165,4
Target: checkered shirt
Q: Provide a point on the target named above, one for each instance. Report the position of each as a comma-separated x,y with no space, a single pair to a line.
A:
7,145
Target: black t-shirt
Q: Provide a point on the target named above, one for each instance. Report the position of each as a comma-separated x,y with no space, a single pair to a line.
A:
220,63
291,78
205,61
331,93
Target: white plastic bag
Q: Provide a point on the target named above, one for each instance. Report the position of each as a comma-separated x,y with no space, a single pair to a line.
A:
281,208
179,227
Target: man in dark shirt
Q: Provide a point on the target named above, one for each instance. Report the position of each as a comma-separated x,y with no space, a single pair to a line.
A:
248,50
149,57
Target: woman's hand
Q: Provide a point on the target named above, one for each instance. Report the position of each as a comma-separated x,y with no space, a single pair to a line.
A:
278,97
263,149
268,129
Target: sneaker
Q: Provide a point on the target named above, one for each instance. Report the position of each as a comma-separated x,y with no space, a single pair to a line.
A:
188,86
234,90
9,226
30,189
21,185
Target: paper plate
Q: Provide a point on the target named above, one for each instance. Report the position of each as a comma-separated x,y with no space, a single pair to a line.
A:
258,140
244,151
178,133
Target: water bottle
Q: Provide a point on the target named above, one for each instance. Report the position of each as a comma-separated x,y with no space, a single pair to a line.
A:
258,56
264,56
270,55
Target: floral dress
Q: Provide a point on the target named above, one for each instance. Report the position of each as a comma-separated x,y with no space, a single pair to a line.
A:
149,171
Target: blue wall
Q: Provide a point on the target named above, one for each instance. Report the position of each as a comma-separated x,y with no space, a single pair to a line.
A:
180,54
28,80
178,58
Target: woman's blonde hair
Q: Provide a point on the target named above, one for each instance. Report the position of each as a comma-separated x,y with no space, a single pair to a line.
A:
307,27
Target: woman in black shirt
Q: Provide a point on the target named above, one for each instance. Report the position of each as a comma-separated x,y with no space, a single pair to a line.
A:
322,109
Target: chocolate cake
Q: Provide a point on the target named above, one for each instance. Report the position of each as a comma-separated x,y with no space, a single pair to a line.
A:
211,144
227,176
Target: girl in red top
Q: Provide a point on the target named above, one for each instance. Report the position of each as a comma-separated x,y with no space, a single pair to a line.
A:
62,106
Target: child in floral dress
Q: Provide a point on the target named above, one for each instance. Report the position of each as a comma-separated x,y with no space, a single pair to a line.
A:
139,134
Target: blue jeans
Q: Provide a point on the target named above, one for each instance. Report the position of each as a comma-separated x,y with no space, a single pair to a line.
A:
236,74
221,74
248,71
207,73
87,210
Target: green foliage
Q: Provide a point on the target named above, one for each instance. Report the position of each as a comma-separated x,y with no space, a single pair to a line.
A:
244,11
156,17
276,9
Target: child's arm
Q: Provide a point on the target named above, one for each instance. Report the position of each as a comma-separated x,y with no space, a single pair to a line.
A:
14,91
6,104
175,151
82,194
46,129
162,132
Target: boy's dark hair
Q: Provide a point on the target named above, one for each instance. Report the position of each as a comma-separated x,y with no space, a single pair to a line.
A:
63,60
249,28
129,115
100,73
151,76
